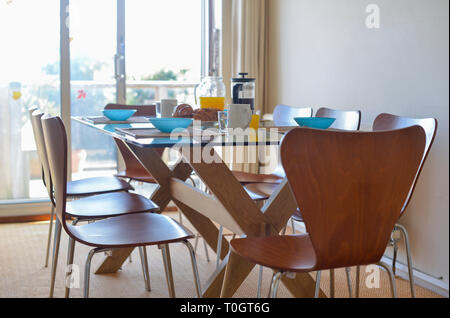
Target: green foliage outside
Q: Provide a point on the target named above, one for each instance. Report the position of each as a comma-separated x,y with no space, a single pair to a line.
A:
145,96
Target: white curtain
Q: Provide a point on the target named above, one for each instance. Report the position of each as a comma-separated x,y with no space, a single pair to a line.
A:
245,43
245,49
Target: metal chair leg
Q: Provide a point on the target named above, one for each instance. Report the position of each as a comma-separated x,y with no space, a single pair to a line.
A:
204,245
49,239
332,291
394,257
193,181
87,271
260,277
409,259
70,253
219,246
317,289
349,282
391,278
196,242
206,251
358,275
275,283
55,256
198,286
144,265
293,225
168,270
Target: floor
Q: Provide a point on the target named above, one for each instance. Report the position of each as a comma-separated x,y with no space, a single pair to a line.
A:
22,271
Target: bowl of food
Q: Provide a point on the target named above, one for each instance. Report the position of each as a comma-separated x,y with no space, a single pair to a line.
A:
169,125
315,122
119,114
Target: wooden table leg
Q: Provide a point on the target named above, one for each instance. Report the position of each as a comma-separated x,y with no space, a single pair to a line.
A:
114,261
302,286
237,271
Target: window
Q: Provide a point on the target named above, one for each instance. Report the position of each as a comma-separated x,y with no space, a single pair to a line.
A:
30,50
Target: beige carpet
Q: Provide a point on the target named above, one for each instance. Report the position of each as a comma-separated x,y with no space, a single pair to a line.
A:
22,272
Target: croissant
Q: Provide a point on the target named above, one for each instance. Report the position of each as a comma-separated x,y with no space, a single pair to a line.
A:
183,111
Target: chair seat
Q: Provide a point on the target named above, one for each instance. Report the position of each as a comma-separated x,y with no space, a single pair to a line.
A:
284,253
261,191
99,185
136,176
247,177
131,231
110,204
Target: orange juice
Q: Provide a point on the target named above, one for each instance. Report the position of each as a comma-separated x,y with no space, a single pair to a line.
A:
212,102
254,126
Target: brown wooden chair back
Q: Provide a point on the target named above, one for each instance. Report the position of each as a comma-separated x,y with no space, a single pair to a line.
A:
284,115
56,145
350,187
142,110
391,122
345,120
35,116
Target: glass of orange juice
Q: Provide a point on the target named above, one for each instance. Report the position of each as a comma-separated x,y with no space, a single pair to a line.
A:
211,92
212,102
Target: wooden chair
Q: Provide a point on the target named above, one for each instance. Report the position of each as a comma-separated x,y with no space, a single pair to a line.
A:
345,120
351,188
75,189
87,208
283,116
390,122
131,230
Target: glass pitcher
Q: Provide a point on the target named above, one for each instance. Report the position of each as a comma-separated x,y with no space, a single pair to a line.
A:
211,93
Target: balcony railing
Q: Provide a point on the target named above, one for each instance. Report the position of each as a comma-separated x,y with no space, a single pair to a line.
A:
161,88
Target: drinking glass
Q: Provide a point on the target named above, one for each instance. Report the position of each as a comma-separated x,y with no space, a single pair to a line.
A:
158,109
223,120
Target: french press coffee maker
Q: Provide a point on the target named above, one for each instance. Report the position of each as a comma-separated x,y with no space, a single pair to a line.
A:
243,90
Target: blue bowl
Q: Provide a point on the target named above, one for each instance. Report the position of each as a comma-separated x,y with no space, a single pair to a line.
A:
168,125
315,122
119,114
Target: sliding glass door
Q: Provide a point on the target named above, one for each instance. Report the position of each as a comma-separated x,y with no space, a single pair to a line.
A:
93,29
134,52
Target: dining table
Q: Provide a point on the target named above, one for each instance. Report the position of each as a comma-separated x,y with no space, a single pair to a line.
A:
226,202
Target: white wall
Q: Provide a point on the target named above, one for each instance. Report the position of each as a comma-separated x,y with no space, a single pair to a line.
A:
322,54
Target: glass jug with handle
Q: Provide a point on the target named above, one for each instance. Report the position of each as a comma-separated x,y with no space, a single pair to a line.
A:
210,93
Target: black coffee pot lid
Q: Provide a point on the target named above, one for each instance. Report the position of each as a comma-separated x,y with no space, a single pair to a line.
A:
243,79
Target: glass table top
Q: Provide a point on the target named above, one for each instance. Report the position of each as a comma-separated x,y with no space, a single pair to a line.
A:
200,137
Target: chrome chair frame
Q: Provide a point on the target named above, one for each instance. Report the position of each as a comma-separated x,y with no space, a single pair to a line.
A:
167,268
278,275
